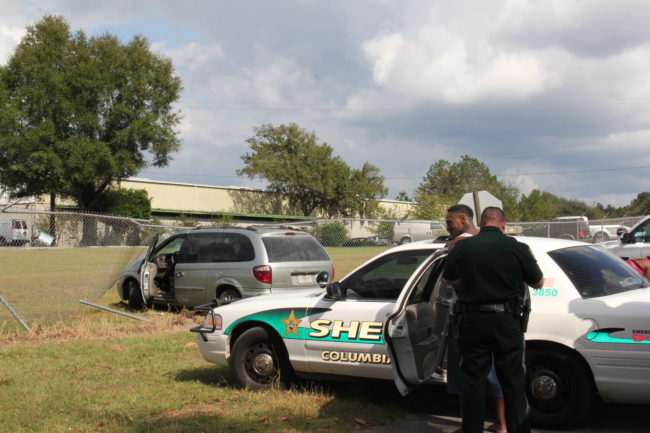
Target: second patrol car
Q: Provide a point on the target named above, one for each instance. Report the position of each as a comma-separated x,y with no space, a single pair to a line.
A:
588,336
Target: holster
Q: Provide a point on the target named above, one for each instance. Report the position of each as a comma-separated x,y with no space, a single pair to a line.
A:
524,314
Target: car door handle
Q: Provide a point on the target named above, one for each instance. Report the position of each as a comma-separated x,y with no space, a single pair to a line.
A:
180,274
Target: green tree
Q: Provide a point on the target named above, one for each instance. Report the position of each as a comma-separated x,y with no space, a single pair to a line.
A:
308,176
640,205
534,207
403,196
131,203
78,114
445,183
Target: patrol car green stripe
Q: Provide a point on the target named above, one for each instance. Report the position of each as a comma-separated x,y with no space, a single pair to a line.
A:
604,337
275,319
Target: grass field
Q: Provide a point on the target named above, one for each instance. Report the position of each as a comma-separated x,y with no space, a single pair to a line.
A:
100,372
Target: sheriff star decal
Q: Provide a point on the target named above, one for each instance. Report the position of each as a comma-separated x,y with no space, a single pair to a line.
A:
291,323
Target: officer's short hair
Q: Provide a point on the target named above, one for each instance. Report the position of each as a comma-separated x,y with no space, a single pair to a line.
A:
461,208
492,214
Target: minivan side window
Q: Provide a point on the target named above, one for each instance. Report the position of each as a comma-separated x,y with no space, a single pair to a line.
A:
216,248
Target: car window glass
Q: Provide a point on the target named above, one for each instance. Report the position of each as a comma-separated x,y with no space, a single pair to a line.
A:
229,247
424,287
294,248
384,277
170,247
642,233
595,272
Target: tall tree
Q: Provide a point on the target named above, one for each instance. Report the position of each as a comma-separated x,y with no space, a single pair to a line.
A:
446,182
306,173
79,113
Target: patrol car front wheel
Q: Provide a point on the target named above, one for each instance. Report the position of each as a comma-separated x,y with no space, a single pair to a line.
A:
259,361
559,389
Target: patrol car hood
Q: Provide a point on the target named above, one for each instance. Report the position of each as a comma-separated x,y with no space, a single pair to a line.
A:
296,298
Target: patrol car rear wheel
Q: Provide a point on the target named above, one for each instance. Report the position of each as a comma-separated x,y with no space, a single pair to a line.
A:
259,361
559,389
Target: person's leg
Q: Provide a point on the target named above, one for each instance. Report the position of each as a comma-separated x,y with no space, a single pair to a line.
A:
500,408
509,365
494,392
475,365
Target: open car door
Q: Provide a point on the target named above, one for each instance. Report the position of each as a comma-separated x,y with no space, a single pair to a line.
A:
148,272
415,331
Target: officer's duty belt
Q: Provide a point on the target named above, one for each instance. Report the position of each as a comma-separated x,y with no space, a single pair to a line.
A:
506,307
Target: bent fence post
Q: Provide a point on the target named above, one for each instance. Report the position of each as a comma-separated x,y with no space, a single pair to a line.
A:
13,313
101,307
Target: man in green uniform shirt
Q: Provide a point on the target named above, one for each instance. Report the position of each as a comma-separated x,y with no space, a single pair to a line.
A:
489,271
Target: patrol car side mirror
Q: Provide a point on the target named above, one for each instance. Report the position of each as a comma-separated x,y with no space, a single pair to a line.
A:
626,238
334,291
322,279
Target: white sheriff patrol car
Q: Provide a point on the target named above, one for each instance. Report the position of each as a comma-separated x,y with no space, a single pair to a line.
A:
588,335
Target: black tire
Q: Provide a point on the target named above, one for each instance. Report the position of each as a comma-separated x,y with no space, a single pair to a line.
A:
135,295
559,389
3,241
229,295
259,361
405,240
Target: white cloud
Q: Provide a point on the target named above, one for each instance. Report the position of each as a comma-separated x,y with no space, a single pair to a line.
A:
192,57
438,63
10,36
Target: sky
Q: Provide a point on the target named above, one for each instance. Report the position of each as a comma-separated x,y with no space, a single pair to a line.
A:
551,95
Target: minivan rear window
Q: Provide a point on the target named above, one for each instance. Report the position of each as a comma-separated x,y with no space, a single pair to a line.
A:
294,248
596,272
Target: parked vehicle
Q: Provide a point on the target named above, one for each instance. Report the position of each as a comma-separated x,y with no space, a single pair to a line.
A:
634,243
568,227
605,232
197,266
368,241
413,230
588,333
13,232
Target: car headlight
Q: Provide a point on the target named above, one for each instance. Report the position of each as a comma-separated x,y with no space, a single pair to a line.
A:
212,321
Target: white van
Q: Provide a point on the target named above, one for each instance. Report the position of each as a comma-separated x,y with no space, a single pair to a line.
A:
13,232
405,232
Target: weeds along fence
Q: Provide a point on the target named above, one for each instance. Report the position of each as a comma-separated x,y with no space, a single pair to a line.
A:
49,261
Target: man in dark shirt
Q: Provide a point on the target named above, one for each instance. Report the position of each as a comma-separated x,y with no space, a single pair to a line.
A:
489,271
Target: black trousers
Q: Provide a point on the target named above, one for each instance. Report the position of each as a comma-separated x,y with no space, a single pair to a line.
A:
499,334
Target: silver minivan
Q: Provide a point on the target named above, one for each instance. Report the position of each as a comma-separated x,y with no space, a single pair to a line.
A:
200,265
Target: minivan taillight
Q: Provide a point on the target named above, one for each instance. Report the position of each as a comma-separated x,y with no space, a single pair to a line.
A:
582,233
263,274
332,277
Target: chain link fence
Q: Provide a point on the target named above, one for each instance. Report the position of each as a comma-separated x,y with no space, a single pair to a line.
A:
49,261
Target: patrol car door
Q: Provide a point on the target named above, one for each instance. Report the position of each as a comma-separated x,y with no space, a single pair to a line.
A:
415,332
345,335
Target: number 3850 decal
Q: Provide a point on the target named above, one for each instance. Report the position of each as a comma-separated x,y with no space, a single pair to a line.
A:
545,292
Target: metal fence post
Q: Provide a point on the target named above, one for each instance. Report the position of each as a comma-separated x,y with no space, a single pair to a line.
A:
13,313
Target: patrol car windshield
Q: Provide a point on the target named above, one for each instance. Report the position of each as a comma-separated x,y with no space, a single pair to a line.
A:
596,272
385,277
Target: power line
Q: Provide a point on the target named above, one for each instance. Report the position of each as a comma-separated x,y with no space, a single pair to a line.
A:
595,170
